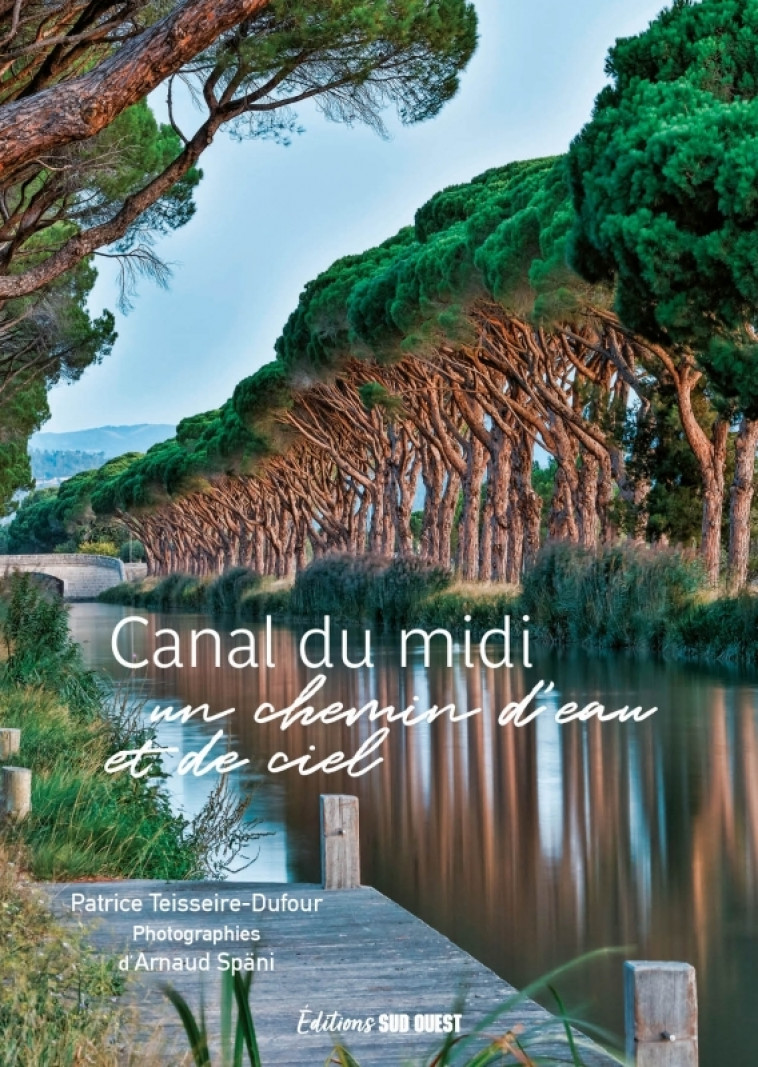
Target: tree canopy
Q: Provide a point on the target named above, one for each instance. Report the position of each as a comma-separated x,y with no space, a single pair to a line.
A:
246,61
664,180
500,236
63,518
86,169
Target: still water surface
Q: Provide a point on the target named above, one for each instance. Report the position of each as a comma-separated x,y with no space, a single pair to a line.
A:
527,847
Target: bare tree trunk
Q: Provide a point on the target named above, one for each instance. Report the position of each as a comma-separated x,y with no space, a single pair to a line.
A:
445,517
433,475
77,109
498,490
587,500
529,507
741,499
712,467
468,544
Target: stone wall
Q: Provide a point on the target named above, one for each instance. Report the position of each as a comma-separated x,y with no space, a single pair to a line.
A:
83,576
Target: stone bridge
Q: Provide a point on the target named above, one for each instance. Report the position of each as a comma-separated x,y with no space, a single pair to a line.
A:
80,577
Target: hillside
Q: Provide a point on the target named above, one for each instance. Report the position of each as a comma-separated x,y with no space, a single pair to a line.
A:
111,440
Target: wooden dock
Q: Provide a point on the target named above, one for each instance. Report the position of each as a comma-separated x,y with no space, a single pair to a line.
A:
342,964
359,955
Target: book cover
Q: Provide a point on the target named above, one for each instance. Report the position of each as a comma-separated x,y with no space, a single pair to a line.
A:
378,426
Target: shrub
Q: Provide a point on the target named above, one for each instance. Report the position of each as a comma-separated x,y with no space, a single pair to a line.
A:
38,647
56,1006
386,592
132,552
449,609
99,548
625,596
723,629
226,593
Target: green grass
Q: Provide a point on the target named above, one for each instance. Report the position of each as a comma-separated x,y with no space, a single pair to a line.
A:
56,996
85,823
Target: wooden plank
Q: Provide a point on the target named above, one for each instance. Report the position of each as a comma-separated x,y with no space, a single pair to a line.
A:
340,842
358,955
660,1004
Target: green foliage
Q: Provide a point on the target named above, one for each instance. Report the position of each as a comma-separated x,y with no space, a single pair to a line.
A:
501,235
409,54
235,991
370,588
720,630
57,1006
486,607
100,548
21,413
53,520
660,454
47,339
664,181
38,648
239,592
231,437
627,596
226,593
375,395
35,527
85,823
50,336
131,551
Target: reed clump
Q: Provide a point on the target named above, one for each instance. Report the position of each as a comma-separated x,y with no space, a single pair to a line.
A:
622,597
239,591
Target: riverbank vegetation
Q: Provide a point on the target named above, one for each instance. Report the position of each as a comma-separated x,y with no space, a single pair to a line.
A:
58,1006
84,823
626,597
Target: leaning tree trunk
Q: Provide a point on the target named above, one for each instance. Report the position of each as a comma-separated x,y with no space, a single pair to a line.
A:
741,499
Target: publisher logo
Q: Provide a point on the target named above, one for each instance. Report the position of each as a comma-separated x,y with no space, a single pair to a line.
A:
335,1022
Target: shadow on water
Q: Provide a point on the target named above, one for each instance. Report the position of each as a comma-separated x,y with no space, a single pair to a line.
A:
525,846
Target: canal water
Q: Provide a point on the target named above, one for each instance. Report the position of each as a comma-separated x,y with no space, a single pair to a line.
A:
526,846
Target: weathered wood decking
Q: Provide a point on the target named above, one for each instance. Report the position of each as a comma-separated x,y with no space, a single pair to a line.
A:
359,955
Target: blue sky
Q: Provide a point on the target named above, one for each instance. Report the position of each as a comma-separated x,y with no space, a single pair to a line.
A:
270,218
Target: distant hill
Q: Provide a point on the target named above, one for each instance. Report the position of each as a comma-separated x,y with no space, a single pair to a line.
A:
110,440
51,468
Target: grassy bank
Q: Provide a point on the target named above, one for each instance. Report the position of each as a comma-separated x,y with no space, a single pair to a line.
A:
58,999
239,592
629,597
85,823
